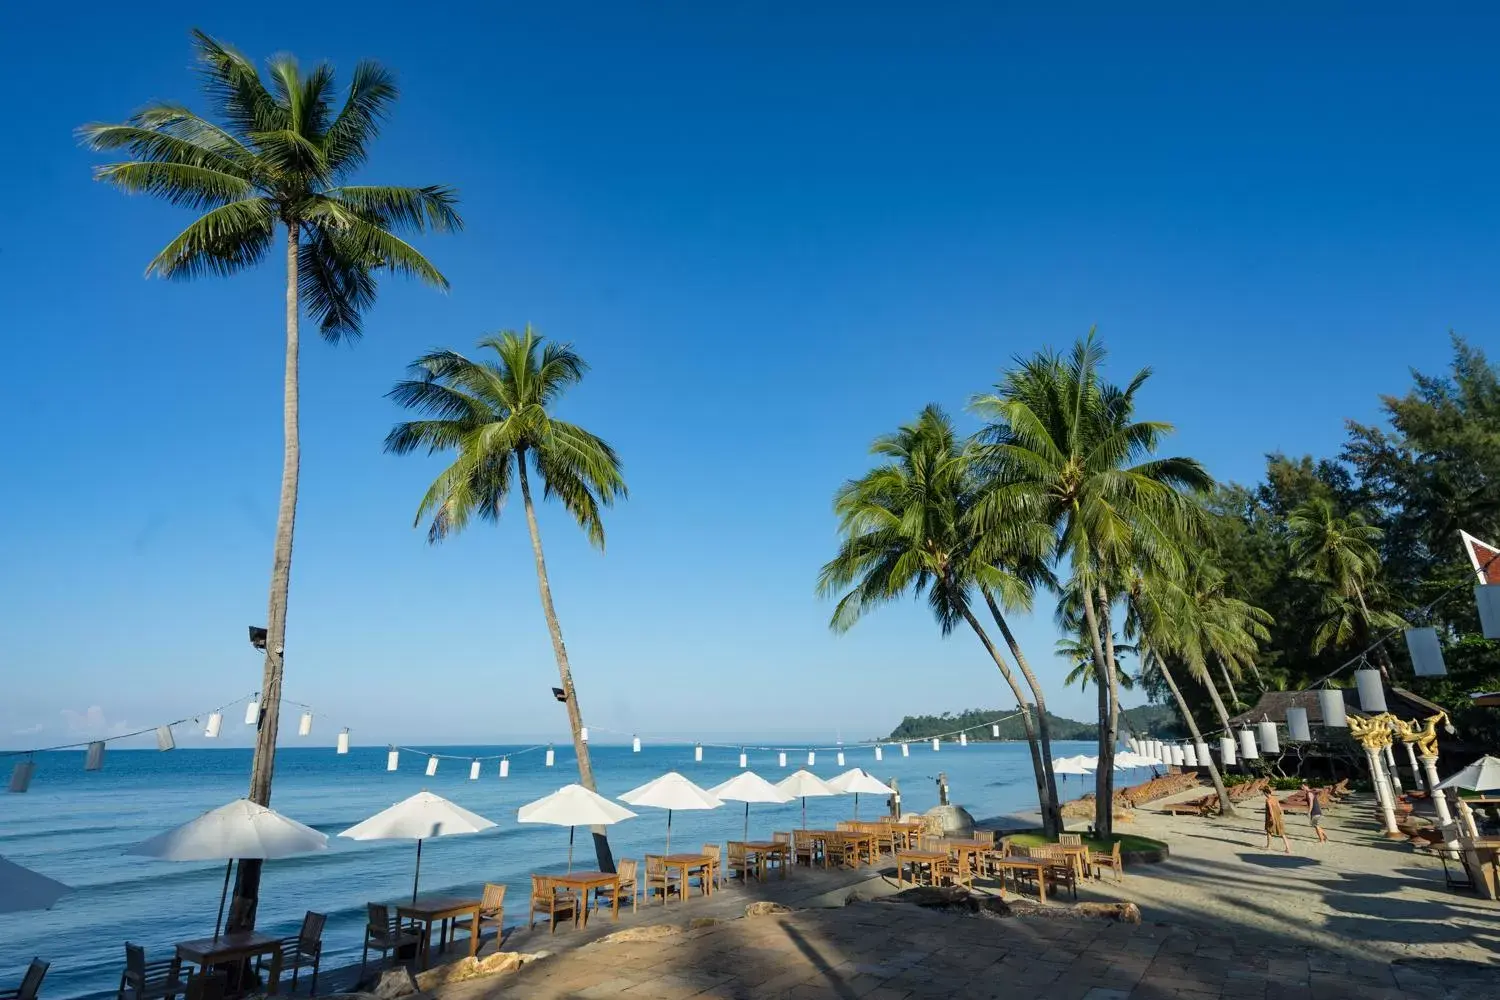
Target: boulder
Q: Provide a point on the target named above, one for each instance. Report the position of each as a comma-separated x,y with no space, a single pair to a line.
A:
651,932
698,923
393,983
765,908
954,821
472,968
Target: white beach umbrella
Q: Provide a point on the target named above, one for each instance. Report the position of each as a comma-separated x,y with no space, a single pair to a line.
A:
573,806
748,787
1130,759
420,817
857,780
240,829
1481,776
671,792
803,784
1073,765
23,889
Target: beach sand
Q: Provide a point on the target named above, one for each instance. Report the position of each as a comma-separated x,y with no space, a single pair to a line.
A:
1222,918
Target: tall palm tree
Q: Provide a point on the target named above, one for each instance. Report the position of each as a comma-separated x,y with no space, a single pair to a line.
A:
1340,554
495,414
268,159
905,528
1062,448
1079,653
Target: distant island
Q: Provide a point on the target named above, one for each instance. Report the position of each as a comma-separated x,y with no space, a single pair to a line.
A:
1158,720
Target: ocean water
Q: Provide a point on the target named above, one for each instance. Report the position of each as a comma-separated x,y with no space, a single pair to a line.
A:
75,825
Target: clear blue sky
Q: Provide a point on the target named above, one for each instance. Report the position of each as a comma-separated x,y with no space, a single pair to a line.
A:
775,236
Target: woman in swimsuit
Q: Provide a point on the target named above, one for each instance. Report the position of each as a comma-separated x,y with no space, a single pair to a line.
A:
1315,811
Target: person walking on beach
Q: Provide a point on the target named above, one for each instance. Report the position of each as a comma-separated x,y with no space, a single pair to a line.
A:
1315,810
1275,821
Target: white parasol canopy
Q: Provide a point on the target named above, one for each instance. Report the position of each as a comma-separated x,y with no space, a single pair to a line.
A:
240,829
573,806
23,889
420,817
803,784
857,780
748,787
1481,776
1130,759
1074,765
671,792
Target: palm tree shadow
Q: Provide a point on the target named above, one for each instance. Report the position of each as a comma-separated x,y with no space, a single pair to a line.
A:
1284,861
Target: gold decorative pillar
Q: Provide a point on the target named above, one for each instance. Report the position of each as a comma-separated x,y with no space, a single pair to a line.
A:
1374,735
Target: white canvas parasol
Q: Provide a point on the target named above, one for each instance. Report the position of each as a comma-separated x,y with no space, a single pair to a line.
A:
671,792
857,780
748,787
1073,765
573,806
803,784
23,889
240,829
420,817
1481,776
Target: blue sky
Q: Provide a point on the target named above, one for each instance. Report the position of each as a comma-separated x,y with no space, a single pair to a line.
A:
775,232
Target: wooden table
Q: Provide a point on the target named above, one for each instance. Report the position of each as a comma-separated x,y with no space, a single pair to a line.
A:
583,882
816,837
864,844
428,910
1078,854
916,859
1029,865
768,849
686,863
234,950
907,831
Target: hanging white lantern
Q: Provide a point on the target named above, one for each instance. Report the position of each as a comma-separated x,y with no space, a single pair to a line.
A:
474,771
1297,729
963,739
878,754
744,760
905,750
1226,750
1248,749
20,775
995,731
1179,755
1190,755
392,759
698,752
1202,751
432,763
505,767
841,758
635,744
936,744
252,711
583,734
1487,598
1331,707
304,727
811,756
1371,692
781,759
344,742
164,740
215,720
1426,652
551,757
1270,742
94,759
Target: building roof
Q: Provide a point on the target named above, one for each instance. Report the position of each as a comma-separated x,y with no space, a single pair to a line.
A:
1273,705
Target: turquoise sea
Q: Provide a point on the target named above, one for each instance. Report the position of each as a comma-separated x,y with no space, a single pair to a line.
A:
75,825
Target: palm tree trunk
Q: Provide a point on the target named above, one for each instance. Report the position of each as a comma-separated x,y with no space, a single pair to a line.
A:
1039,766
1382,656
1234,696
1226,808
247,877
575,716
1107,751
1104,807
1213,694
1052,823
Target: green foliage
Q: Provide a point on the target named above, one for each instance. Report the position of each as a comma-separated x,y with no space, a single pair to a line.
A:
1127,841
1155,719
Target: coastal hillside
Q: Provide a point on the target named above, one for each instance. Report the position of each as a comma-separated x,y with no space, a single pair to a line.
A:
1158,720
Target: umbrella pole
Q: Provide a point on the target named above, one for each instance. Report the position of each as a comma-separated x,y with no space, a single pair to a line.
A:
223,896
747,821
804,812
570,850
415,878
856,806
669,831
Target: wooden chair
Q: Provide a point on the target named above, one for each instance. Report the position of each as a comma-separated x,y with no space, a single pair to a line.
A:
1060,868
713,877
803,846
739,863
1070,839
386,934
1107,859
492,910
553,900
304,951
143,980
626,869
658,879
785,837
956,871
31,983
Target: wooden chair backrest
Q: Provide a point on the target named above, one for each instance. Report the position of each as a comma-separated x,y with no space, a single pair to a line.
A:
541,889
135,962
712,851
379,916
626,870
845,826
493,899
310,938
781,837
656,866
736,851
31,984
1070,839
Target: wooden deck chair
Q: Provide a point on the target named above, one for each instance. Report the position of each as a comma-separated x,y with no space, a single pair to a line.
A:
629,889
143,980
553,900
386,934
492,910
739,863
31,983
658,879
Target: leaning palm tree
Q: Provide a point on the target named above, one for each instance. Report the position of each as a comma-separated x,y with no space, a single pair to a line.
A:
495,414
272,159
1062,448
905,531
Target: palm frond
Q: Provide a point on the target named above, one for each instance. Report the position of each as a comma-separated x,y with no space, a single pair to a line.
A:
177,183
402,208
372,91
223,241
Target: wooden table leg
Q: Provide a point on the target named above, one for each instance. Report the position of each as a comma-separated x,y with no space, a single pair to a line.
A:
1041,886
474,934
275,982
614,899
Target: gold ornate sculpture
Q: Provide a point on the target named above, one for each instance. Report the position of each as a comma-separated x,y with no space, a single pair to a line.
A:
1373,733
1424,737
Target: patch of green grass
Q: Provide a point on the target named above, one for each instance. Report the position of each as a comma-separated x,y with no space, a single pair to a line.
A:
1128,841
